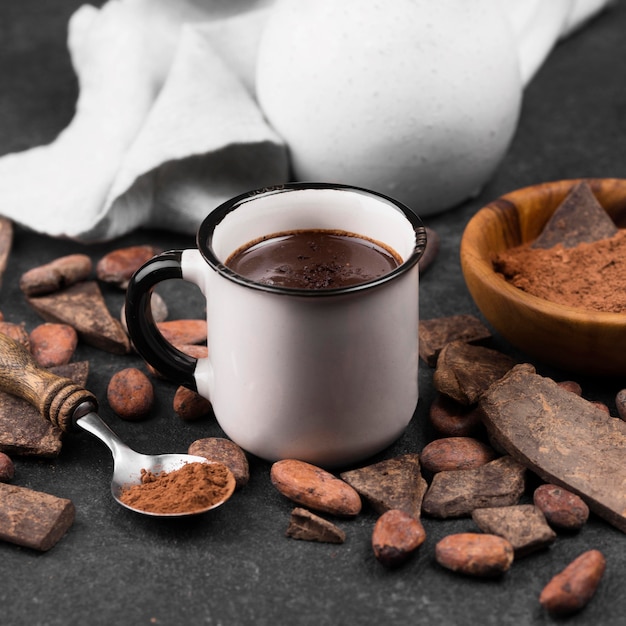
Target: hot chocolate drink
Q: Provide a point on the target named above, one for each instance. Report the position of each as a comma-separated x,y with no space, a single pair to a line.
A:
313,259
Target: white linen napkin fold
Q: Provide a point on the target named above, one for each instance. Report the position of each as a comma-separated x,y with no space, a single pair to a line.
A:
141,153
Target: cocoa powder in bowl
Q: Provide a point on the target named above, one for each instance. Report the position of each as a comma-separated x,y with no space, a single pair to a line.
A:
590,275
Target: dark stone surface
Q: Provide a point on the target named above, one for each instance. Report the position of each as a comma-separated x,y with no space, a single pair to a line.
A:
234,565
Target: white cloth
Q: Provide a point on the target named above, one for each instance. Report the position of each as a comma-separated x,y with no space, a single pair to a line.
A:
167,126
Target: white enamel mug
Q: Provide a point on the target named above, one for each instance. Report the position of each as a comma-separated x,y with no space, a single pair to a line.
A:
326,376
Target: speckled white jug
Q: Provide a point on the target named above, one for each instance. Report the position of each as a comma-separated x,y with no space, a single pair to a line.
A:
412,98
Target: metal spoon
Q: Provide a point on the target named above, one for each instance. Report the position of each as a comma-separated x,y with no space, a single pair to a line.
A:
68,405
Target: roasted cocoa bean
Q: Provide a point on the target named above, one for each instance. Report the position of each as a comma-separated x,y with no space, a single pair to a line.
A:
561,508
396,536
56,275
572,386
456,453
572,588
130,394
315,488
53,344
453,419
226,452
475,554
620,402
7,469
190,405
183,332
118,266
17,332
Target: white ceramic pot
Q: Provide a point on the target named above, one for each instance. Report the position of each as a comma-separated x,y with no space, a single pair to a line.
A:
412,98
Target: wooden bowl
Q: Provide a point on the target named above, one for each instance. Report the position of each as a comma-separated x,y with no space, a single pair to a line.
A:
571,338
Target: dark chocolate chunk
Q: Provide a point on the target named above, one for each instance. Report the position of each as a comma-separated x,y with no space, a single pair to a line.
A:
33,519
307,526
436,333
395,483
524,525
83,307
580,218
465,371
457,493
563,438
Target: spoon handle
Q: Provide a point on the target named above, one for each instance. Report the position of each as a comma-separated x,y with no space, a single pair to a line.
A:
55,398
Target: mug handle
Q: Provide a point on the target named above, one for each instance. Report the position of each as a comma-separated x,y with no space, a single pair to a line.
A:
170,362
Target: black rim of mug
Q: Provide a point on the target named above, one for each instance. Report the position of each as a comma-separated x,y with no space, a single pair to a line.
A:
207,228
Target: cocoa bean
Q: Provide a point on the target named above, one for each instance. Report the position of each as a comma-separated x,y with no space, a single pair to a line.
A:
56,275
6,242
182,332
620,402
562,508
572,588
130,394
602,406
118,266
53,344
475,554
315,488
456,453
17,332
572,386
190,405
453,419
396,536
197,352
7,469
226,452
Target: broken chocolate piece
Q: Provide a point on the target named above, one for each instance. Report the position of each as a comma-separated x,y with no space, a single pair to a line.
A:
459,492
83,307
465,371
580,218
23,432
6,242
395,483
310,527
524,525
33,519
562,437
436,333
